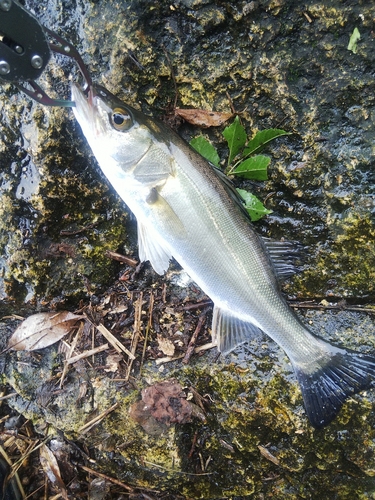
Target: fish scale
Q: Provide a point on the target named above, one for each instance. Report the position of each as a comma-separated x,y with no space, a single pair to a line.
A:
187,209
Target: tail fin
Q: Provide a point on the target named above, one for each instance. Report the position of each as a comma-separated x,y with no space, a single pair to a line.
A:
326,389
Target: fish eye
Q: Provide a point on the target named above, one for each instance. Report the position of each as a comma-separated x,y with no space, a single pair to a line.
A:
120,119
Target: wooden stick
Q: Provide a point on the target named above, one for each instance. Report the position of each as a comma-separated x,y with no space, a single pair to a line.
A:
95,421
104,476
86,354
136,332
121,258
200,348
148,328
191,346
70,352
112,340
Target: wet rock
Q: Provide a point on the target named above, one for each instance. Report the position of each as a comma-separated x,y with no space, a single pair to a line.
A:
283,65
252,404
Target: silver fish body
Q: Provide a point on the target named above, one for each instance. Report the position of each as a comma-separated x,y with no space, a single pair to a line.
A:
187,210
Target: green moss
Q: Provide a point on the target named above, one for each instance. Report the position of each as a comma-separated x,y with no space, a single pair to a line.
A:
246,409
278,73
347,266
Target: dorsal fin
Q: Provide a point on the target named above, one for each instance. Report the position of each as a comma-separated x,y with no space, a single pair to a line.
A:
284,255
232,191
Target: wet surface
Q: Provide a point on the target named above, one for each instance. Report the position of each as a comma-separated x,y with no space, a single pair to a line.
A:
283,65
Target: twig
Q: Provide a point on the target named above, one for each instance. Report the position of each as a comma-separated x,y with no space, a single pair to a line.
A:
194,442
70,352
121,258
307,17
112,339
197,305
14,472
148,328
65,232
191,346
333,307
33,447
86,354
13,316
177,471
136,332
200,348
95,421
9,396
108,478
33,492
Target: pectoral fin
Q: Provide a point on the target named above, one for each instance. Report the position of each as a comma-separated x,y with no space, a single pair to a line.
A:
152,248
229,331
166,226
170,225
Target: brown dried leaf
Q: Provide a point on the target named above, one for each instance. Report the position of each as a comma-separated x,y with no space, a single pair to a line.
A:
113,362
166,346
42,330
203,118
266,454
52,470
162,405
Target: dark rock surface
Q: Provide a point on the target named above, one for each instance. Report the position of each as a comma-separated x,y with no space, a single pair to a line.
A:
284,65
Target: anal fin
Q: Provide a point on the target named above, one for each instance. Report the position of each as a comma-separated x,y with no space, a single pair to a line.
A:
229,331
150,245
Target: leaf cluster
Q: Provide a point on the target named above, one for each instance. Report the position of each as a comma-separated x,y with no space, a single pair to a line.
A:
243,159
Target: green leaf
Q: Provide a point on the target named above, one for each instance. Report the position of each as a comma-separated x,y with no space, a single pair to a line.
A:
206,149
253,168
236,138
262,138
253,205
354,37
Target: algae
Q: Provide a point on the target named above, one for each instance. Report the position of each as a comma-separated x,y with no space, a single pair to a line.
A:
282,64
251,401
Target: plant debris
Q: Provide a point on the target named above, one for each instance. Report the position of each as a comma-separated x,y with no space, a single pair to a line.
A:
114,335
52,470
203,118
163,404
42,330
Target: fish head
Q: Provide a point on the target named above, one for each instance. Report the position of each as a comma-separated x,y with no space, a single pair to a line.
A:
112,128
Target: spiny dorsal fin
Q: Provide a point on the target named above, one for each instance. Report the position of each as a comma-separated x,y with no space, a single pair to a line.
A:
283,254
232,191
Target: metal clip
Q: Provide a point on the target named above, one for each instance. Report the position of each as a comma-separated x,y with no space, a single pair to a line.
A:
25,49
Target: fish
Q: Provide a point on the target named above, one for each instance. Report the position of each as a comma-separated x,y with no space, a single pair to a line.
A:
188,210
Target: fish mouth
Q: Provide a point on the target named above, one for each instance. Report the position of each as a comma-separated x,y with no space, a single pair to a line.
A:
84,104
90,110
